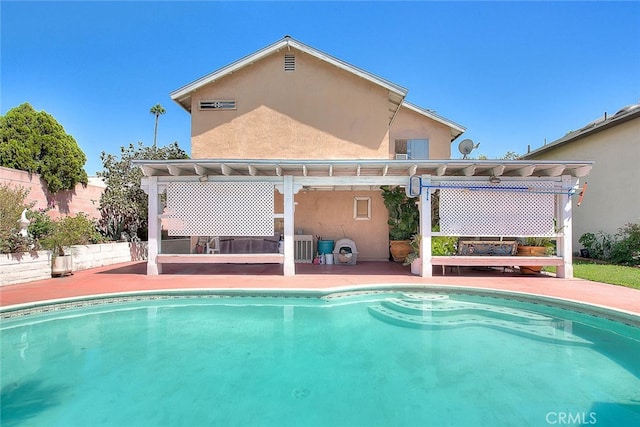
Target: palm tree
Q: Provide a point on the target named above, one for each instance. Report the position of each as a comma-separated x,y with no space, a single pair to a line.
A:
157,110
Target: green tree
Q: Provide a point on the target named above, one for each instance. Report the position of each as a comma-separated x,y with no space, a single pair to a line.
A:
35,142
123,204
157,110
509,155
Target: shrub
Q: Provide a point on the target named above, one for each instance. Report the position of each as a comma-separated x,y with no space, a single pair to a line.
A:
598,245
12,203
40,226
623,248
71,230
16,243
626,248
440,246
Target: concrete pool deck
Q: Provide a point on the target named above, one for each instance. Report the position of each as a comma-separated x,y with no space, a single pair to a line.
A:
131,277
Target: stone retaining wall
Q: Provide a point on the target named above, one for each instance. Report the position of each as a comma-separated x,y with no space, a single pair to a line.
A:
31,266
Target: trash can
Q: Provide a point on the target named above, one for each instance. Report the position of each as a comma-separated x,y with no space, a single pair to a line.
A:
325,246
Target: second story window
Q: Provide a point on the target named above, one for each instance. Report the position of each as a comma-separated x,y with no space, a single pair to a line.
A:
417,149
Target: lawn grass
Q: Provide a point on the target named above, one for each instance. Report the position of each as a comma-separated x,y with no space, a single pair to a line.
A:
606,273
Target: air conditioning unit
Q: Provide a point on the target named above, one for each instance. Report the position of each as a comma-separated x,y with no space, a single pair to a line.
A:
402,157
303,248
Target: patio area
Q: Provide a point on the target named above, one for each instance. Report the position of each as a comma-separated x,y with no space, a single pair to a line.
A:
131,277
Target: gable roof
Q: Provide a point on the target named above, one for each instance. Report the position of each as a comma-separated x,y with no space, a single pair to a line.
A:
397,93
456,129
182,95
625,114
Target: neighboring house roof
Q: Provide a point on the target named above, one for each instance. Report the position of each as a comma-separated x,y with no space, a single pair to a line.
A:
397,93
625,114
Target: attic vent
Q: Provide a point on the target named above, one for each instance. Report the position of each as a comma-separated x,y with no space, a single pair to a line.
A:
217,105
289,62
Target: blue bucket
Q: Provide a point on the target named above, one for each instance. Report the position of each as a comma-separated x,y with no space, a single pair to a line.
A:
325,246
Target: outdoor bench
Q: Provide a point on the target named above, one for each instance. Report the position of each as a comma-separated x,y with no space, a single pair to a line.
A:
491,253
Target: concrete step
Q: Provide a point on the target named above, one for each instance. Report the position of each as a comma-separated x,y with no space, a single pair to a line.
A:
446,307
542,332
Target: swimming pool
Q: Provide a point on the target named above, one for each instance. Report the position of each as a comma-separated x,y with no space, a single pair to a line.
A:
378,357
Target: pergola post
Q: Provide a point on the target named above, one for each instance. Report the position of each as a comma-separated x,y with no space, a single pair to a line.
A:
289,266
565,223
153,268
425,228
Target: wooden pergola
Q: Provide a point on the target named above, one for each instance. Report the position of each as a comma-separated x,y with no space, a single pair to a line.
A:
504,184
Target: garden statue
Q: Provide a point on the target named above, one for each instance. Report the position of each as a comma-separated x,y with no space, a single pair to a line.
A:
24,223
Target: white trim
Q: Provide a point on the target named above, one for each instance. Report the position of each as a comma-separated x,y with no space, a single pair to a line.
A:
154,238
426,267
356,215
289,226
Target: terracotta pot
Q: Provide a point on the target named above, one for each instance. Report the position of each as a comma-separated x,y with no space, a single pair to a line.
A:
399,249
531,251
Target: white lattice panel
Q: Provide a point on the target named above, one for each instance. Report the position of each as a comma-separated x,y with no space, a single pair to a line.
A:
219,209
465,212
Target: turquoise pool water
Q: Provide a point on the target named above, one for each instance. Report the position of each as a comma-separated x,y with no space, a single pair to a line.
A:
351,359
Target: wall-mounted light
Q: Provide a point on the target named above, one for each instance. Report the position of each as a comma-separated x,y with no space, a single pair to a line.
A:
494,180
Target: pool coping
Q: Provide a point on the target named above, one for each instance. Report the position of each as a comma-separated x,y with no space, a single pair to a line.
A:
598,310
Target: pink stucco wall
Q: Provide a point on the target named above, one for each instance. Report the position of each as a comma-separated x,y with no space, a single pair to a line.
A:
70,202
329,214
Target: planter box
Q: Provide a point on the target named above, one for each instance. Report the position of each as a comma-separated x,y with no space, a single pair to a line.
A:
24,267
31,266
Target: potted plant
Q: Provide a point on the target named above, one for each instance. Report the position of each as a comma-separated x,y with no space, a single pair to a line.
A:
440,246
65,232
403,221
535,246
413,258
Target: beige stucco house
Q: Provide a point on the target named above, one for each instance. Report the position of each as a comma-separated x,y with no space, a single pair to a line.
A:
613,142
290,101
290,142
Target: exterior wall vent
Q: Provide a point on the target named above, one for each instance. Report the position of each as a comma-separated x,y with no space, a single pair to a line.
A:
289,62
402,157
217,105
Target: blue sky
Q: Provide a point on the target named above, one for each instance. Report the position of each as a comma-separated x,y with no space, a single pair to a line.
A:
513,73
